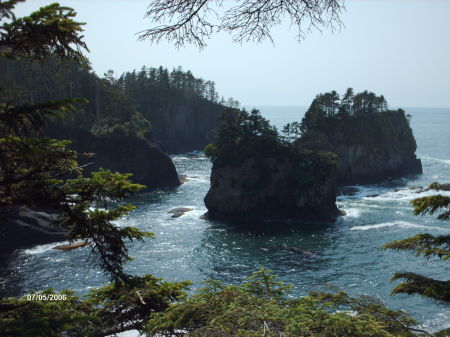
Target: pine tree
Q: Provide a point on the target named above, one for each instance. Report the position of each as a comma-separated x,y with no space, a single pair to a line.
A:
428,246
33,173
33,168
346,102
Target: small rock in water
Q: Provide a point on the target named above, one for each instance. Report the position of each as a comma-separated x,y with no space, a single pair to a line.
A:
179,211
71,246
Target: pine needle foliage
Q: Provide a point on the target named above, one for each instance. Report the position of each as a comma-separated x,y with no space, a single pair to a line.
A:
431,205
34,170
428,246
262,306
242,135
419,284
44,173
48,31
108,310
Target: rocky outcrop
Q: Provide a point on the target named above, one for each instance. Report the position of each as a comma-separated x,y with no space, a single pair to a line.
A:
185,126
359,165
273,189
150,165
179,211
372,147
25,227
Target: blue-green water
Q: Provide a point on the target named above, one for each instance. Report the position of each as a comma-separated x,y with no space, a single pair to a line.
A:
346,254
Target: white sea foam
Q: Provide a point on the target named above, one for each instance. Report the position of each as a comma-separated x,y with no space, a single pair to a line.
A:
44,248
440,322
201,179
129,333
382,193
197,212
363,191
47,247
406,194
135,333
435,160
352,212
189,156
402,224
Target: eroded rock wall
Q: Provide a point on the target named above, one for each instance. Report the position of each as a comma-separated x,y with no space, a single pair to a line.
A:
373,147
150,165
271,189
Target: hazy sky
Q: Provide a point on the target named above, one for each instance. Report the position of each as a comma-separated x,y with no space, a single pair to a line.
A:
399,48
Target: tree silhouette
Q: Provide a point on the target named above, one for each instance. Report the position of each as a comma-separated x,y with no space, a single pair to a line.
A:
195,21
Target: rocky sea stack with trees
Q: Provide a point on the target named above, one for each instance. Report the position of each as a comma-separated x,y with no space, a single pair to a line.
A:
258,174
372,142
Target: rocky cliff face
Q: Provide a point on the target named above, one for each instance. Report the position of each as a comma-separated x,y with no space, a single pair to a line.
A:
359,165
150,165
26,227
185,126
272,189
373,148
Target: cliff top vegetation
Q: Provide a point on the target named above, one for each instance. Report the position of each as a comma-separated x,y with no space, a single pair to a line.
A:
244,135
113,106
363,118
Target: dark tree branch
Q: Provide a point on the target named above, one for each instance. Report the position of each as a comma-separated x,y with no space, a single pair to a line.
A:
194,21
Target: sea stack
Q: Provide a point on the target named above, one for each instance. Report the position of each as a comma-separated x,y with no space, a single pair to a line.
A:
256,176
372,143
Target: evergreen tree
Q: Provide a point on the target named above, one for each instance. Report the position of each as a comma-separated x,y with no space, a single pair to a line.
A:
32,169
346,102
242,135
262,306
291,132
313,116
428,246
328,106
33,172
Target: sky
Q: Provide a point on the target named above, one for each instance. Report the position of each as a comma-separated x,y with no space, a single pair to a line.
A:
398,48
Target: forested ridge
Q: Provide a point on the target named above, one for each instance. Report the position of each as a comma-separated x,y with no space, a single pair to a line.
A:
181,108
175,107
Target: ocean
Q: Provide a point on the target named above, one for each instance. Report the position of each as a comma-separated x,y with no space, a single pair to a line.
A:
345,255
